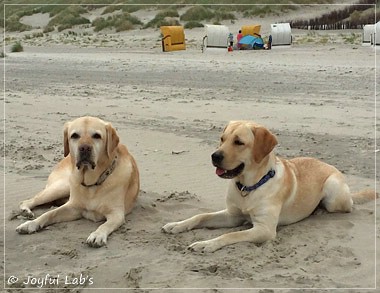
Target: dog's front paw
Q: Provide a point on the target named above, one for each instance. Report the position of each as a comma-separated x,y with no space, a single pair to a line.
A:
204,246
174,228
96,239
28,227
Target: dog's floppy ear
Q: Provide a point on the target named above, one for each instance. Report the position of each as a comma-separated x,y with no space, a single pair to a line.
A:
112,139
66,147
264,143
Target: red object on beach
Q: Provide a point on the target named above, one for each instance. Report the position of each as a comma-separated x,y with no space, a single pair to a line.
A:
230,49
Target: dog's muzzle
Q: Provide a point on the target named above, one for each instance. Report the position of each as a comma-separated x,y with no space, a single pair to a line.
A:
85,156
217,160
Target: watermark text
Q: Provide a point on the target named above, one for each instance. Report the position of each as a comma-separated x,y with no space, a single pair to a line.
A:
51,280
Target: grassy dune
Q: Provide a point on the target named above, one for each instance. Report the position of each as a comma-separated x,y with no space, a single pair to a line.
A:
66,16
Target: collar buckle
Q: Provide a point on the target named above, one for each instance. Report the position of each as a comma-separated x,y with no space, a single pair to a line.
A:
243,192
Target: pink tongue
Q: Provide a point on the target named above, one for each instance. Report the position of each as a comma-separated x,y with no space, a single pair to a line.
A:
219,171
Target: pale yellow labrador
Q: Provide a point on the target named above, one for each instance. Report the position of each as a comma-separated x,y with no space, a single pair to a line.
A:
98,174
265,189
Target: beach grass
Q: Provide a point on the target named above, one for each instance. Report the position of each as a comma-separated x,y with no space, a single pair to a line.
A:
120,22
193,24
17,47
163,17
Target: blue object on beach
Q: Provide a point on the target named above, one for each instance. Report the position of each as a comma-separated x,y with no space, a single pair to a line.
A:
251,42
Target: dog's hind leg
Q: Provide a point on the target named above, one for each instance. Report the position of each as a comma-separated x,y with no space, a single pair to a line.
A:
337,197
64,213
57,187
56,190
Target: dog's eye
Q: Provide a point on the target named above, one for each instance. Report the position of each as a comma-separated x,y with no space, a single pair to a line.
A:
221,139
75,135
238,142
96,136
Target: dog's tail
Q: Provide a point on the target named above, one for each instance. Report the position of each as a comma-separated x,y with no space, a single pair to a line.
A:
364,196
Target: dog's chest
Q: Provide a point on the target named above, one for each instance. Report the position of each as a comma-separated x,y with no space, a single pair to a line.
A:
92,211
90,202
248,204
93,216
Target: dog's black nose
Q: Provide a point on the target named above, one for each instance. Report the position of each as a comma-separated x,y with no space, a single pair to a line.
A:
217,157
85,149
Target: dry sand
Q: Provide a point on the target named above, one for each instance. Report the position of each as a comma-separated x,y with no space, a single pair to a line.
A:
169,109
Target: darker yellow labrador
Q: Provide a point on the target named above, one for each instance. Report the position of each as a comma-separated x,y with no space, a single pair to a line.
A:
265,189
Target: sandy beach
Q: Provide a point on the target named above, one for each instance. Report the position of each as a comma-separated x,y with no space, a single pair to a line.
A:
169,109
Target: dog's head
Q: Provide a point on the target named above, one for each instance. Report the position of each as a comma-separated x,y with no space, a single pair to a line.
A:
242,145
90,141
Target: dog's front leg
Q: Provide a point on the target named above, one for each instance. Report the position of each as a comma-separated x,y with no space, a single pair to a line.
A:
99,237
257,234
264,221
221,219
63,213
